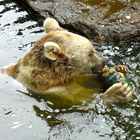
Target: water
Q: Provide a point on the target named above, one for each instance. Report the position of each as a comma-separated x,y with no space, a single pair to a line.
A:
26,117
111,6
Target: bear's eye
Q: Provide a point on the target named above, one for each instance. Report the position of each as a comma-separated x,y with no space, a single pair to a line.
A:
90,53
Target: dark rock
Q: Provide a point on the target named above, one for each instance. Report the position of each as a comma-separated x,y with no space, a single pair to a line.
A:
102,21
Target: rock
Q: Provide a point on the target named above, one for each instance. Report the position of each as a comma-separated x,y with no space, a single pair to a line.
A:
102,21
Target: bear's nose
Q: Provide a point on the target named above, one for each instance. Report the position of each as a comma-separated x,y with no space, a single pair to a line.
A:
98,68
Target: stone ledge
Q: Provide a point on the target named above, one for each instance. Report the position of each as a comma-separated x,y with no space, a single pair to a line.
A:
101,21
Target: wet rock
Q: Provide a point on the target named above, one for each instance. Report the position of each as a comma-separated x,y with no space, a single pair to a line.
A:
102,21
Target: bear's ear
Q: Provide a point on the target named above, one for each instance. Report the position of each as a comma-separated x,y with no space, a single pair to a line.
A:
51,24
52,50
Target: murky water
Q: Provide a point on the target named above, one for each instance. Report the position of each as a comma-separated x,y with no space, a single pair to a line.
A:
26,117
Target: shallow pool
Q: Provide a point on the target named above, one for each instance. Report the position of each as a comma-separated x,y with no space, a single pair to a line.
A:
35,118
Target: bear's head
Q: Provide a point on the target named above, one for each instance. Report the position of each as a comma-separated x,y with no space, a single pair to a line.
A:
79,50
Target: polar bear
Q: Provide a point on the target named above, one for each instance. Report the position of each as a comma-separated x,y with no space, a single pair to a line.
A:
57,58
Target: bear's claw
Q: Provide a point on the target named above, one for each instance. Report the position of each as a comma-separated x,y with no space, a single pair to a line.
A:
122,68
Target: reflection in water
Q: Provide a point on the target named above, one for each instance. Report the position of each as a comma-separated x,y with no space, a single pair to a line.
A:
61,117
48,116
79,93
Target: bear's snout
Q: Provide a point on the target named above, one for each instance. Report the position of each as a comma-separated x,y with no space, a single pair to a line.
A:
98,68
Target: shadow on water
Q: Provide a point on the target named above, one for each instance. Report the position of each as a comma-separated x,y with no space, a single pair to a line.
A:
27,116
